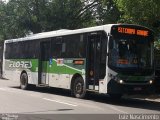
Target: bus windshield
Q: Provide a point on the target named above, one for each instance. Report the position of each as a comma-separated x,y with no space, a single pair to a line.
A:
130,55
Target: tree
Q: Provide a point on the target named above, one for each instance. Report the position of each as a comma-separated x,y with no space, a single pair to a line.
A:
10,27
22,17
157,44
108,12
29,15
69,14
143,12
34,16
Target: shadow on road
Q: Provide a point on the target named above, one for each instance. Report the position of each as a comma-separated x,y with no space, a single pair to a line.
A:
3,78
125,101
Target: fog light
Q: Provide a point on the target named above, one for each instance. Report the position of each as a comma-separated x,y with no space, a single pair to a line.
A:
120,81
151,81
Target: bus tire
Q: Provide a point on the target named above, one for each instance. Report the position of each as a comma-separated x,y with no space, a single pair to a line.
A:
24,81
78,89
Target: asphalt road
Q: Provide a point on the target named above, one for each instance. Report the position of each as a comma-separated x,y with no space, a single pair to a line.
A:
58,101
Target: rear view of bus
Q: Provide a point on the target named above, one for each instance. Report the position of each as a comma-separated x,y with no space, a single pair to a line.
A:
130,60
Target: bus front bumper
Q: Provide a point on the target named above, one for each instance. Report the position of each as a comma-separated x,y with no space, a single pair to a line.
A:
117,88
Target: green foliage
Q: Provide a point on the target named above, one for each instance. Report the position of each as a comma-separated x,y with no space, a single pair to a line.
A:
108,12
157,44
9,23
22,17
68,14
143,12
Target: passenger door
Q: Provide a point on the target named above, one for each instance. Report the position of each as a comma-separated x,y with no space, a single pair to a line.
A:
93,61
44,62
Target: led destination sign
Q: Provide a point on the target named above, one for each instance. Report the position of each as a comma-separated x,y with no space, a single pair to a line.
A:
133,31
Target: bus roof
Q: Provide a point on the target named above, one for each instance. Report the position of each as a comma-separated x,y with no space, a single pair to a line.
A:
61,33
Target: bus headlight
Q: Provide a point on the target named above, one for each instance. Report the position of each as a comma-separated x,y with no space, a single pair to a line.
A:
121,81
151,81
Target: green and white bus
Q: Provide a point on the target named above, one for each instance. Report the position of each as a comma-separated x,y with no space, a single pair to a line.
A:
114,59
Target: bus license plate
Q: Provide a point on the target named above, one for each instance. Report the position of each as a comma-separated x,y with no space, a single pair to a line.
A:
137,89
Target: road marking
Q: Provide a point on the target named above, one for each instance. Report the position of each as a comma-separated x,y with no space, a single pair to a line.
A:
60,102
11,90
2,89
8,89
116,109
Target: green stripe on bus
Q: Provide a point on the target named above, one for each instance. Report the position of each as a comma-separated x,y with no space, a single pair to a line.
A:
65,68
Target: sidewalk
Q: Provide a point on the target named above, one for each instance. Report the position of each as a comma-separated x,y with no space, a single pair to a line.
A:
154,98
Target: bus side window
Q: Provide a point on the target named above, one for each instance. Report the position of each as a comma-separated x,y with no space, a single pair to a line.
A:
74,46
56,48
103,48
63,47
8,51
102,71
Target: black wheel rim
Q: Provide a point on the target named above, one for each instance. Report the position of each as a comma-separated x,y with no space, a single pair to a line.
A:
79,88
23,80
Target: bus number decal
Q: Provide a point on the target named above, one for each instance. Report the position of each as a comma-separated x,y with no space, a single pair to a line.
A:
22,64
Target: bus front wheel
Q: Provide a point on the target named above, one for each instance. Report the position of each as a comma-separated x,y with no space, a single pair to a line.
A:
78,88
24,81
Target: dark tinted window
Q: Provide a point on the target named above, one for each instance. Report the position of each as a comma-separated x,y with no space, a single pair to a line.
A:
56,47
22,50
75,46
71,46
45,51
103,47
